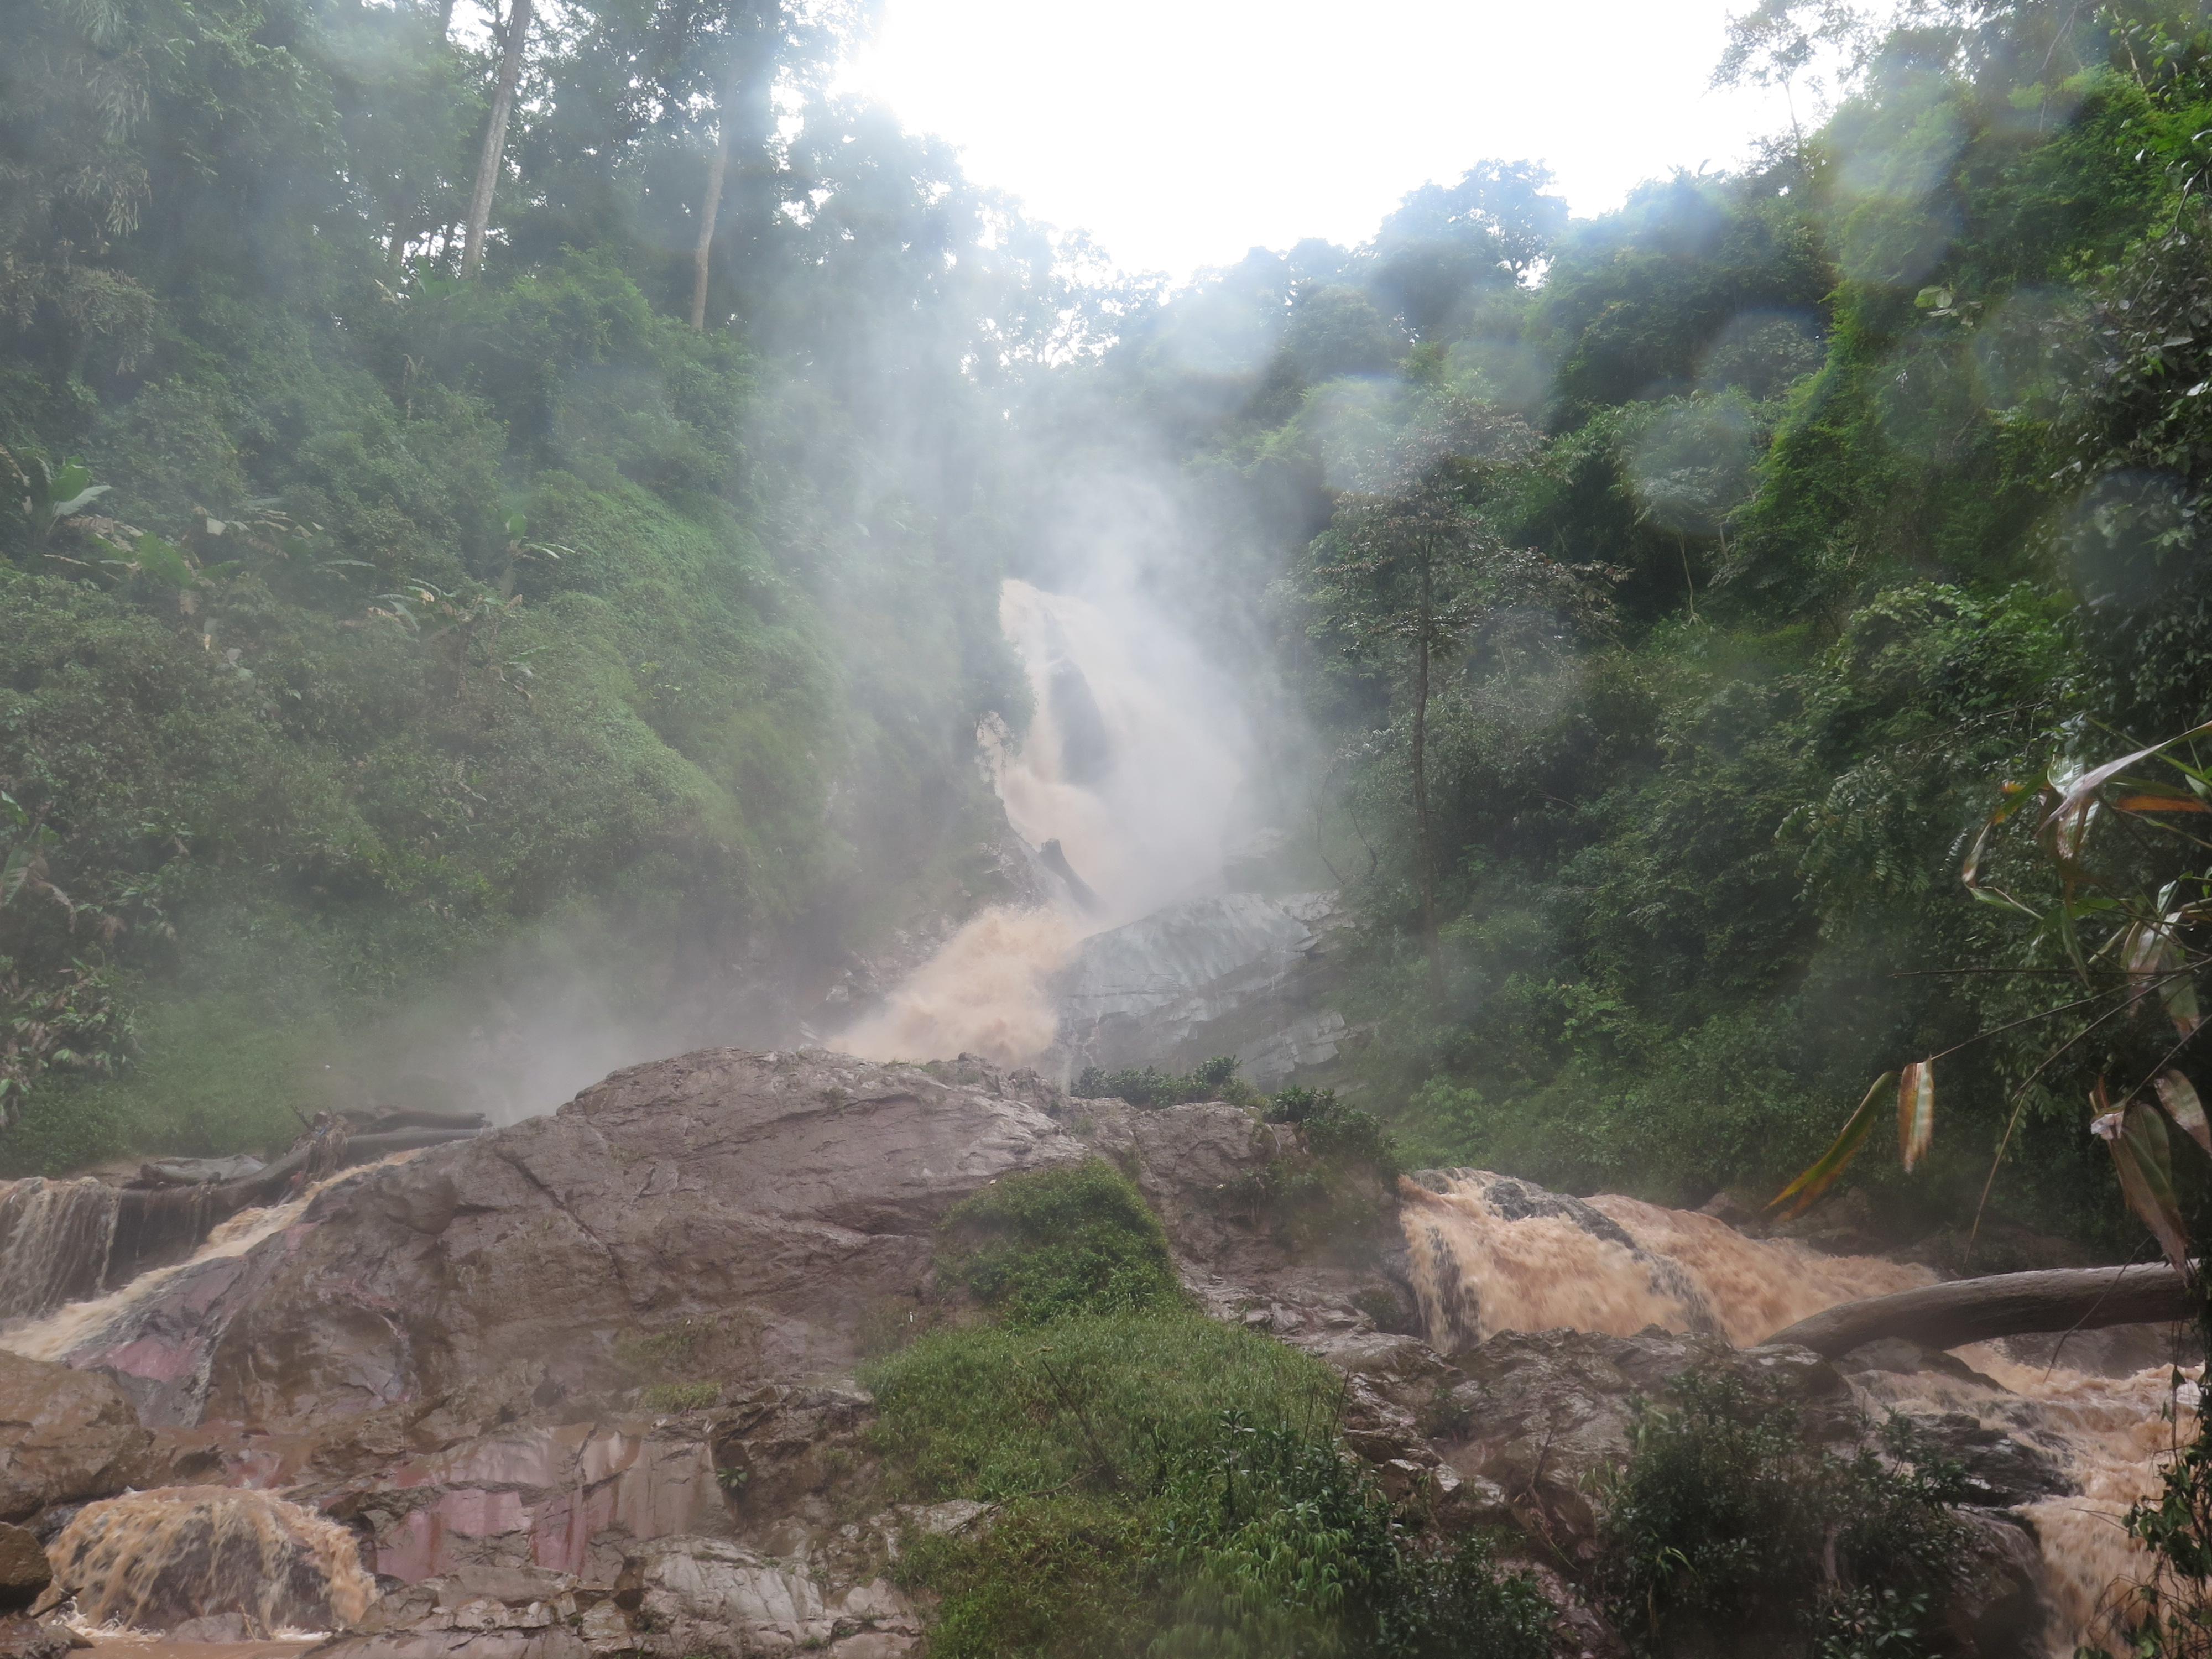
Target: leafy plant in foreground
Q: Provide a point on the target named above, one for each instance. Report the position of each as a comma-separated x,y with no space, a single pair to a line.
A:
2127,928
1728,1534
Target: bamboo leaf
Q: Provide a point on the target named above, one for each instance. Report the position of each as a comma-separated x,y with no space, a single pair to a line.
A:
2178,1096
1816,1180
2142,1155
2179,995
1916,1111
2068,821
2162,803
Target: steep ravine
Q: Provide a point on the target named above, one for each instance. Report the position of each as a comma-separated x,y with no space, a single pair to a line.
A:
584,1384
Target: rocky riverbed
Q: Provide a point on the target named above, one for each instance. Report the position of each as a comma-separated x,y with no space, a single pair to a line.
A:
585,1384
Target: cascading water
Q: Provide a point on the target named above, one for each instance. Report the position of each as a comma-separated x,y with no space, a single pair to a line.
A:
55,1240
62,1241
1488,1254
1136,792
156,1558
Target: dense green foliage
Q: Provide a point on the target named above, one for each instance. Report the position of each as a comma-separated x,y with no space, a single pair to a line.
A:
1670,609
398,665
1728,1534
1034,1248
397,668
1159,1482
1212,1079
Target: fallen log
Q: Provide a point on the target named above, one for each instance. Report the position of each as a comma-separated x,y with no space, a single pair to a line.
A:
2001,1304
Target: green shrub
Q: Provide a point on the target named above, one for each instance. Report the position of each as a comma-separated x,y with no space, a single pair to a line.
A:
1215,1080
1039,1247
1727,1533
1097,1401
1166,1485
1335,1132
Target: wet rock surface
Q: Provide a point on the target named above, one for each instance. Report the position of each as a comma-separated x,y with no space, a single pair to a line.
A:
800,1188
30,1638
583,1386
24,1571
1239,974
65,1435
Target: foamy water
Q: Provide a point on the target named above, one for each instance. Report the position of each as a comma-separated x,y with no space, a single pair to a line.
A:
2109,1434
1489,1253
153,1558
1117,767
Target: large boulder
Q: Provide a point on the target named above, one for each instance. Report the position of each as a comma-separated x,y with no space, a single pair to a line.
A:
65,1436
789,1195
709,1596
1236,974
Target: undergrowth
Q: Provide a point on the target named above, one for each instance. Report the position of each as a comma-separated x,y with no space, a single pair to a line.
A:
1728,1534
1214,1079
1034,1247
1157,1482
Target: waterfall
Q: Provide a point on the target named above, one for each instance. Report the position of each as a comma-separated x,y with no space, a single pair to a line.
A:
1128,769
1492,1254
64,1240
56,1237
1488,1254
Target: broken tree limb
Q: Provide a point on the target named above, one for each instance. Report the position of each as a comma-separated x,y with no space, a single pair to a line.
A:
2001,1304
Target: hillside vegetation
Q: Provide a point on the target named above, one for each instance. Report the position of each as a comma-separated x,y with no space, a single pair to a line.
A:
1643,613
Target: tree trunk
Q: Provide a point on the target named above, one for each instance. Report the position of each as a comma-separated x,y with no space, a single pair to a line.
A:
1427,854
709,210
494,142
2001,1304
445,15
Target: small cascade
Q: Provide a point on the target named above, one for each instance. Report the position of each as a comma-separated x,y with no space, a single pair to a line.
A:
1488,1254
62,1241
153,1559
2107,1432
156,1334
1492,1254
55,1239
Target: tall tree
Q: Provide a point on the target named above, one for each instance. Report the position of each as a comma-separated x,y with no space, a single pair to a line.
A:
1407,568
745,51
495,140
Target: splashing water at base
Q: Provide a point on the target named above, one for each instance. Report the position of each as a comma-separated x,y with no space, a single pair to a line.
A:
156,1558
1117,768
1488,1254
987,992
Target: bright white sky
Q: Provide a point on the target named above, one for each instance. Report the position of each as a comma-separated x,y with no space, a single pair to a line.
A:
1182,132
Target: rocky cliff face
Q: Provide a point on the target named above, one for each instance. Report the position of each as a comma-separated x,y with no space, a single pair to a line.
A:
1239,974
583,1385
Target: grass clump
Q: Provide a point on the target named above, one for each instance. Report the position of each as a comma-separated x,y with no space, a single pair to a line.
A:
1159,1484
1728,1534
1036,1248
1164,1483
